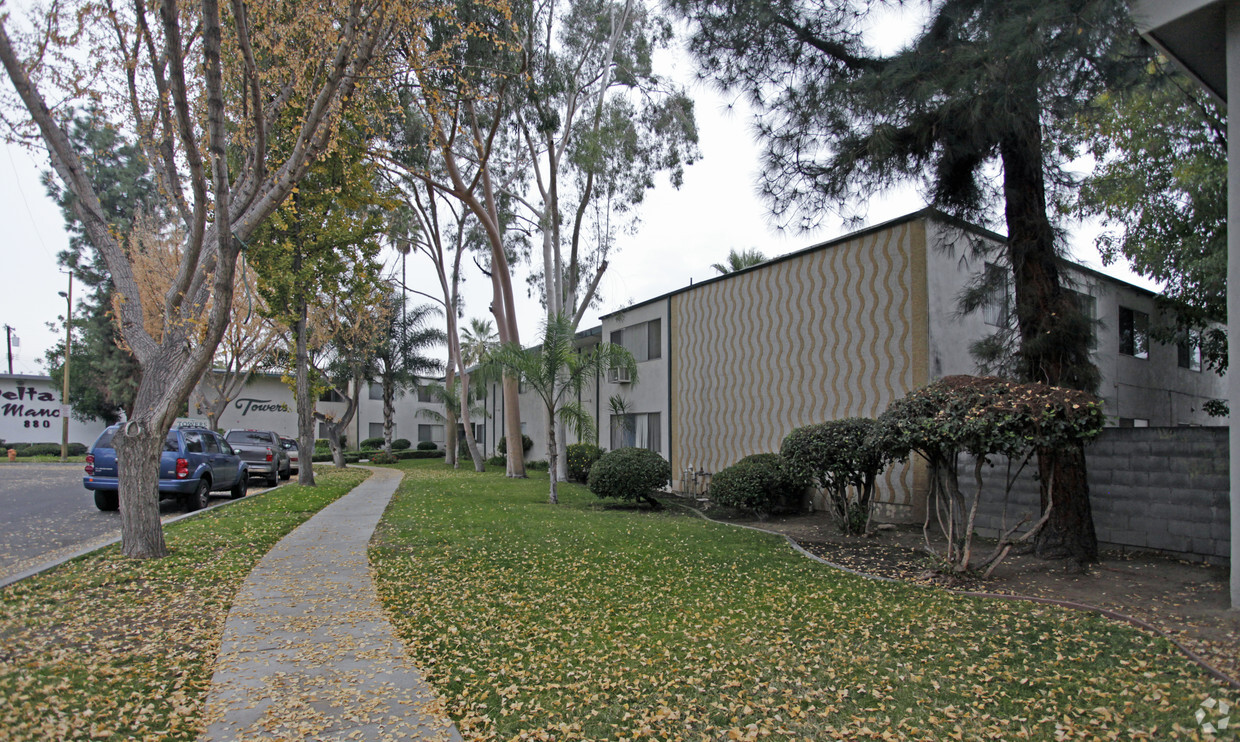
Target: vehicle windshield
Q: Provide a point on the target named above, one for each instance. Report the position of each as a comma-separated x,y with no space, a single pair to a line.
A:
249,436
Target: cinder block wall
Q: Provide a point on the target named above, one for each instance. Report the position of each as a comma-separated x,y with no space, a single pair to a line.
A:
1151,488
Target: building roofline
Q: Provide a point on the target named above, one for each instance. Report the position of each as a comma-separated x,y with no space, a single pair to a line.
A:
927,213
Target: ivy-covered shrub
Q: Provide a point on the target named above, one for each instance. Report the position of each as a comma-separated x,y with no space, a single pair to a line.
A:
632,474
422,445
762,483
581,456
526,444
844,459
402,444
370,444
983,417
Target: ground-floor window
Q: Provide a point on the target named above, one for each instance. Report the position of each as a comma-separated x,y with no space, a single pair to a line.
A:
376,430
432,433
639,430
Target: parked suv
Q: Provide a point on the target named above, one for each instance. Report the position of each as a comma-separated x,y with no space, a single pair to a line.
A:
294,454
195,462
262,451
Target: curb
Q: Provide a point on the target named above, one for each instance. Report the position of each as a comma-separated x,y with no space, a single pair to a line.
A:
103,544
1210,670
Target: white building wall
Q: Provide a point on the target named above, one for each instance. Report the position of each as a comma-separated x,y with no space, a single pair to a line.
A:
30,412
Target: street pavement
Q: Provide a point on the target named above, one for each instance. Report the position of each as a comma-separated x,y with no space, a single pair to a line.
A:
47,516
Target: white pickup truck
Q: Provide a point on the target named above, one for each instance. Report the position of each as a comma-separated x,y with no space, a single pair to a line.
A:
262,452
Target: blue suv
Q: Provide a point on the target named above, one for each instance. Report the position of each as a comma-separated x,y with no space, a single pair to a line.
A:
195,462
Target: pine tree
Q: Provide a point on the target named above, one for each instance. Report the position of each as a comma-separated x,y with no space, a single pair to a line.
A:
983,83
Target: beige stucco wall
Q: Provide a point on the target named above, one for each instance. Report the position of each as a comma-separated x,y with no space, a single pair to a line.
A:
829,333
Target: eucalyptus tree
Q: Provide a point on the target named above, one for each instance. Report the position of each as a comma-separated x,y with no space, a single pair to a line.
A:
556,371
200,88
975,108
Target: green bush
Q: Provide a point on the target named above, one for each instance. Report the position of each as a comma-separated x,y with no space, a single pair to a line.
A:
526,444
322,443
422,445
537,465
581,456
844,458
631,474
407,454
497,461
763,483
372,443
40,449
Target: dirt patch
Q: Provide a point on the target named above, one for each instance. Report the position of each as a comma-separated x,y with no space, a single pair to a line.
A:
1188,601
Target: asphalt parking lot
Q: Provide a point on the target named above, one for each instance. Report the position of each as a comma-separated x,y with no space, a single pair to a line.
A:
47,515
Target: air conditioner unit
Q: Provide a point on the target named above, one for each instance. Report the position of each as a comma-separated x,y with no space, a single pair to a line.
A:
619,376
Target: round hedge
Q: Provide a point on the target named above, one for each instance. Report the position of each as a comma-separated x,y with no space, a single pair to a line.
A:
631,474
422,445
526,444
761,483
372,443
403,444
581,457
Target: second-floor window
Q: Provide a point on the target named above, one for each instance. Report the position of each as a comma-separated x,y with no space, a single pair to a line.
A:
1134,333
644,340
1189,350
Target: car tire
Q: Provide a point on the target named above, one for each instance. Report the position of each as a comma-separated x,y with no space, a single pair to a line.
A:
288,472
273,479
202,495
240,489
107,500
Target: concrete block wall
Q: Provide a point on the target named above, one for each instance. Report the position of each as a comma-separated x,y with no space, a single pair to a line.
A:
1165,489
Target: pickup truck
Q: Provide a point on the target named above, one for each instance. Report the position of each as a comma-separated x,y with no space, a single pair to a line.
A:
262,452
194,463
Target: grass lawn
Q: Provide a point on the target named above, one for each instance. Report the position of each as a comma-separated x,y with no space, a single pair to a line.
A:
109,648
589,621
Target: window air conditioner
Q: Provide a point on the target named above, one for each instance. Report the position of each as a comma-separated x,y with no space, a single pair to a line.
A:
619,376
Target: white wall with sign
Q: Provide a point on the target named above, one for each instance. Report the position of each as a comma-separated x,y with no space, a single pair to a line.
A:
30,413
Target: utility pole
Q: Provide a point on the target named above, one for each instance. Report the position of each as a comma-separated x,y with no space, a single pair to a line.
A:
8,339
64,397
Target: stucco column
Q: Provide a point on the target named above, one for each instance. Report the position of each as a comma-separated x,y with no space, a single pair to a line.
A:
1233,284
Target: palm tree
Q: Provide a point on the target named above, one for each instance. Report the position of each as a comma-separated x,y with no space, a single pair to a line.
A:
557,372
477,341
740,261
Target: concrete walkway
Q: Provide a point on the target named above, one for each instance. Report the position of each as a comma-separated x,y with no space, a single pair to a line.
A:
308,653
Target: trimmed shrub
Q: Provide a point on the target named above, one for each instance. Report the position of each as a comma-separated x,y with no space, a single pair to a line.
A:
40,449
372,443
632,474
844,458
581,456
401,444
383,457
537,465
407,454
422,445
762,483
497,461
526,444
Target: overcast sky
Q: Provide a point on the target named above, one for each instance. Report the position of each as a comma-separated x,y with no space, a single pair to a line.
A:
681,234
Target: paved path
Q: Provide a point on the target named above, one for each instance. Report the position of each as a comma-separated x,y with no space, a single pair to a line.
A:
308,653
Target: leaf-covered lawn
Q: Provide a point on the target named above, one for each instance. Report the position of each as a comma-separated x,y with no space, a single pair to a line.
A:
109,648
584,621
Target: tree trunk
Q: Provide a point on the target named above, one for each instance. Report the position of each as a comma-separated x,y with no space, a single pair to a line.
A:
554,497
470,441
305,406
450,447
138,448
1053,349
389,410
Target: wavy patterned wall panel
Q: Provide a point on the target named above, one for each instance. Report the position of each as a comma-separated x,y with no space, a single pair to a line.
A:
836,332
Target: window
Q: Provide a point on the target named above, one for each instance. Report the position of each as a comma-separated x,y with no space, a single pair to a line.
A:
210,443
432,433
644,340
424,394
193,442
331,395
1088,305
376,430
1189,350
642,430
998,307
1134,422
376,391
1134,333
